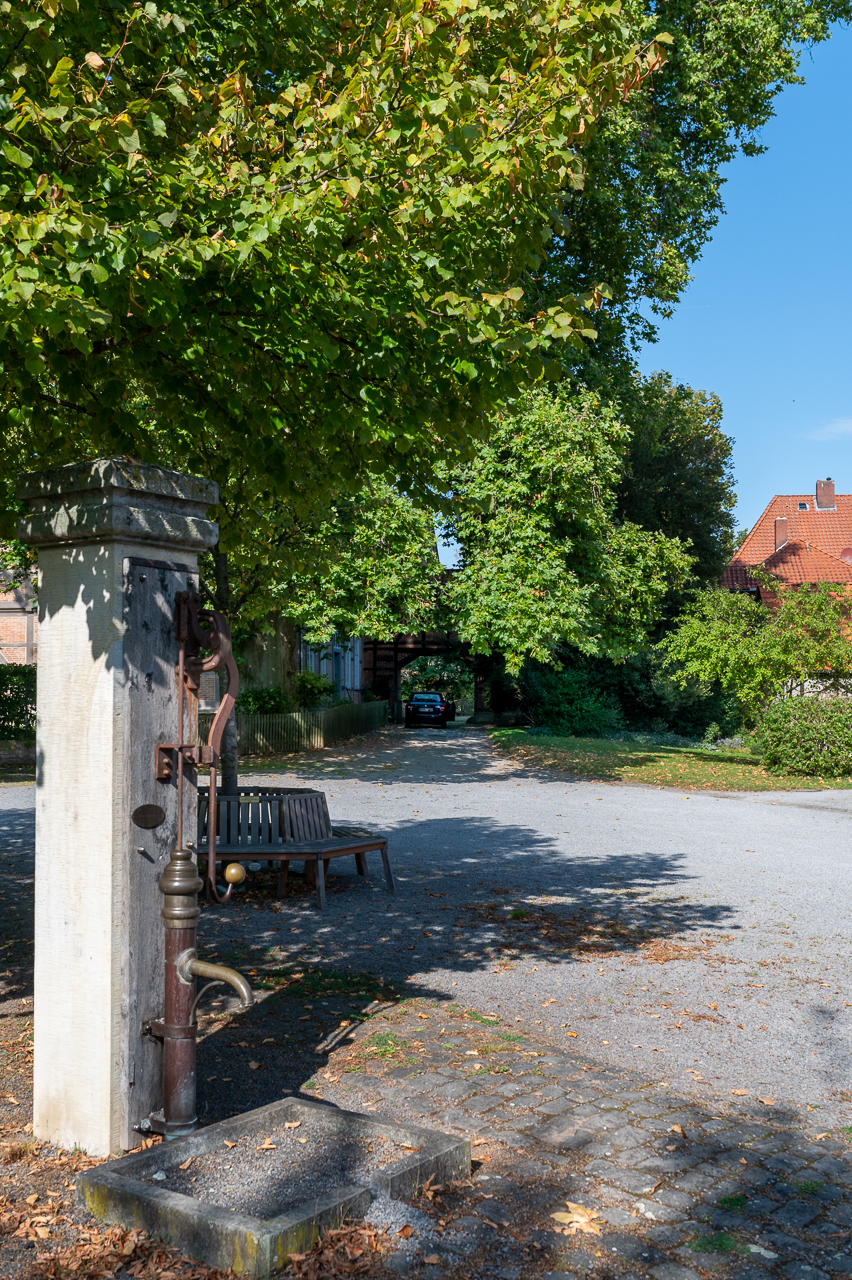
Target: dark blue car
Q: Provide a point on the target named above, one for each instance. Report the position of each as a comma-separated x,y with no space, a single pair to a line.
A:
429,708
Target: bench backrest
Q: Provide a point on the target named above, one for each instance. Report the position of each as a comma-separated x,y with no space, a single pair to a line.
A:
308,815
263,819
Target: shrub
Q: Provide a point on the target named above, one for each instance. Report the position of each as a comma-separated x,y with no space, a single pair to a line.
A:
564,701
807,735
17,701
312,690
264,702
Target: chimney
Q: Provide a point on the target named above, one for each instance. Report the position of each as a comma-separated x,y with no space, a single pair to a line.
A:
781,531
825,495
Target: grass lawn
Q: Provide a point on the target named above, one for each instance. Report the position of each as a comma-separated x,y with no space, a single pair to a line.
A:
685,767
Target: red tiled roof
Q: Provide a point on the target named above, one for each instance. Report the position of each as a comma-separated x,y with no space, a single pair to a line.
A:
815,539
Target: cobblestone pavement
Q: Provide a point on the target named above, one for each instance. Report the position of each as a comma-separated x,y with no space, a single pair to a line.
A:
678,1189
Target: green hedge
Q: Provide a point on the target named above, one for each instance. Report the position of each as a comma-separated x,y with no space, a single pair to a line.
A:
565,702
807,735
17,701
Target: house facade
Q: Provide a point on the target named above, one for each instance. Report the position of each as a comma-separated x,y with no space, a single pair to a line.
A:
338,660
799,538
18,623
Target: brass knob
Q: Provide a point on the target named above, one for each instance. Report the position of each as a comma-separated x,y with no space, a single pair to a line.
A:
235,873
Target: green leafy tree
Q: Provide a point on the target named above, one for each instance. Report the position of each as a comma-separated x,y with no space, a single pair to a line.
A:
763,651
545,560
655,168
289,238
368,565
678,473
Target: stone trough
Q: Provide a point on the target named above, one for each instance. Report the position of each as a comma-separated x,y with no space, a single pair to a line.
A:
390,1158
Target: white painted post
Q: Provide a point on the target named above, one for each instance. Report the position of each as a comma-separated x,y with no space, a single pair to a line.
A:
116,540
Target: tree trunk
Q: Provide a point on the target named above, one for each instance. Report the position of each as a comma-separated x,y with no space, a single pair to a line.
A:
229,756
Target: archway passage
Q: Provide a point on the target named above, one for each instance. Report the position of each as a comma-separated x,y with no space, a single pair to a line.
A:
385,659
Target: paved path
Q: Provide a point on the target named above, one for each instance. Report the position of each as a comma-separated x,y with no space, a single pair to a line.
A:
687,934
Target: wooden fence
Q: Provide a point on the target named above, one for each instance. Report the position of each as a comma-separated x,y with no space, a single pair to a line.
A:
300,730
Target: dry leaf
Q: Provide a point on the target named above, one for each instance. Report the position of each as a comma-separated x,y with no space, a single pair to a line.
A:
94,60
767,1102
432,1260
678,1128
740,1093
405,1231
229,1144
301,1139
571,1033
579,1218
267,1146
821,1135
292,1124
743,1160
714,1005
186,1163
254,1066
31,1199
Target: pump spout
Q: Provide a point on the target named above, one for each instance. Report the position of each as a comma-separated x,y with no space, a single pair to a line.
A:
189,967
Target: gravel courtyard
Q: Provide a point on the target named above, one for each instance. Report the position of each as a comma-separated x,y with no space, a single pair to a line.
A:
666,971
682,934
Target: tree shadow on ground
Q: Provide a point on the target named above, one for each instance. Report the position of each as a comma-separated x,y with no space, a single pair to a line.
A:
528,900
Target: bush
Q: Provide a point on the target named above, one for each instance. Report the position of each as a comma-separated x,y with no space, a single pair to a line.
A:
264,702
807,735
564,702
312,690
17,701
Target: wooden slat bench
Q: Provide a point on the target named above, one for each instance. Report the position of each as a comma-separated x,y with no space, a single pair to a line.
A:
284,825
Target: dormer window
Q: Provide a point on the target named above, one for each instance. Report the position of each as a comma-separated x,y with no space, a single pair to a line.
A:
803,506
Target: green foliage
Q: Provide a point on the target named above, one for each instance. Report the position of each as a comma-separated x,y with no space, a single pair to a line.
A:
566,704
17,701
544,559
367,567
451,677
760,651
285,245
734,1203
807,735
312,690
653,193
678,476
263,702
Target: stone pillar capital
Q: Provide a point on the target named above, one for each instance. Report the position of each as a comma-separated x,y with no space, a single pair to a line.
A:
113,499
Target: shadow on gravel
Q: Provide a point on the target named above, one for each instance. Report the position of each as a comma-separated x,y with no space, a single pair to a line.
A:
472,891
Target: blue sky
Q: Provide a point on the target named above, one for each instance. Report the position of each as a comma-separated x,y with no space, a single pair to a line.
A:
765,322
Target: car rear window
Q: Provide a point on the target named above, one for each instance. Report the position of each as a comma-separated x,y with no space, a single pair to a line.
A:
426,697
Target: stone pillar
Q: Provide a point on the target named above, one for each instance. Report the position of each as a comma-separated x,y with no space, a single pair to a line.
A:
116,540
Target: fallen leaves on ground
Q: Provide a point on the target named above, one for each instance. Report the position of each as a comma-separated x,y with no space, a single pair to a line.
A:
99,1255
595,934
579,1219
342,1251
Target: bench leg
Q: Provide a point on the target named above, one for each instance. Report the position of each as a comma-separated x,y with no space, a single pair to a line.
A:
320,876
281,887
388,873
361,864
310,871
326,863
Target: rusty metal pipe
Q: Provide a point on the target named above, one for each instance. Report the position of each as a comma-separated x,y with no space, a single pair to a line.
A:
189,967
180,885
